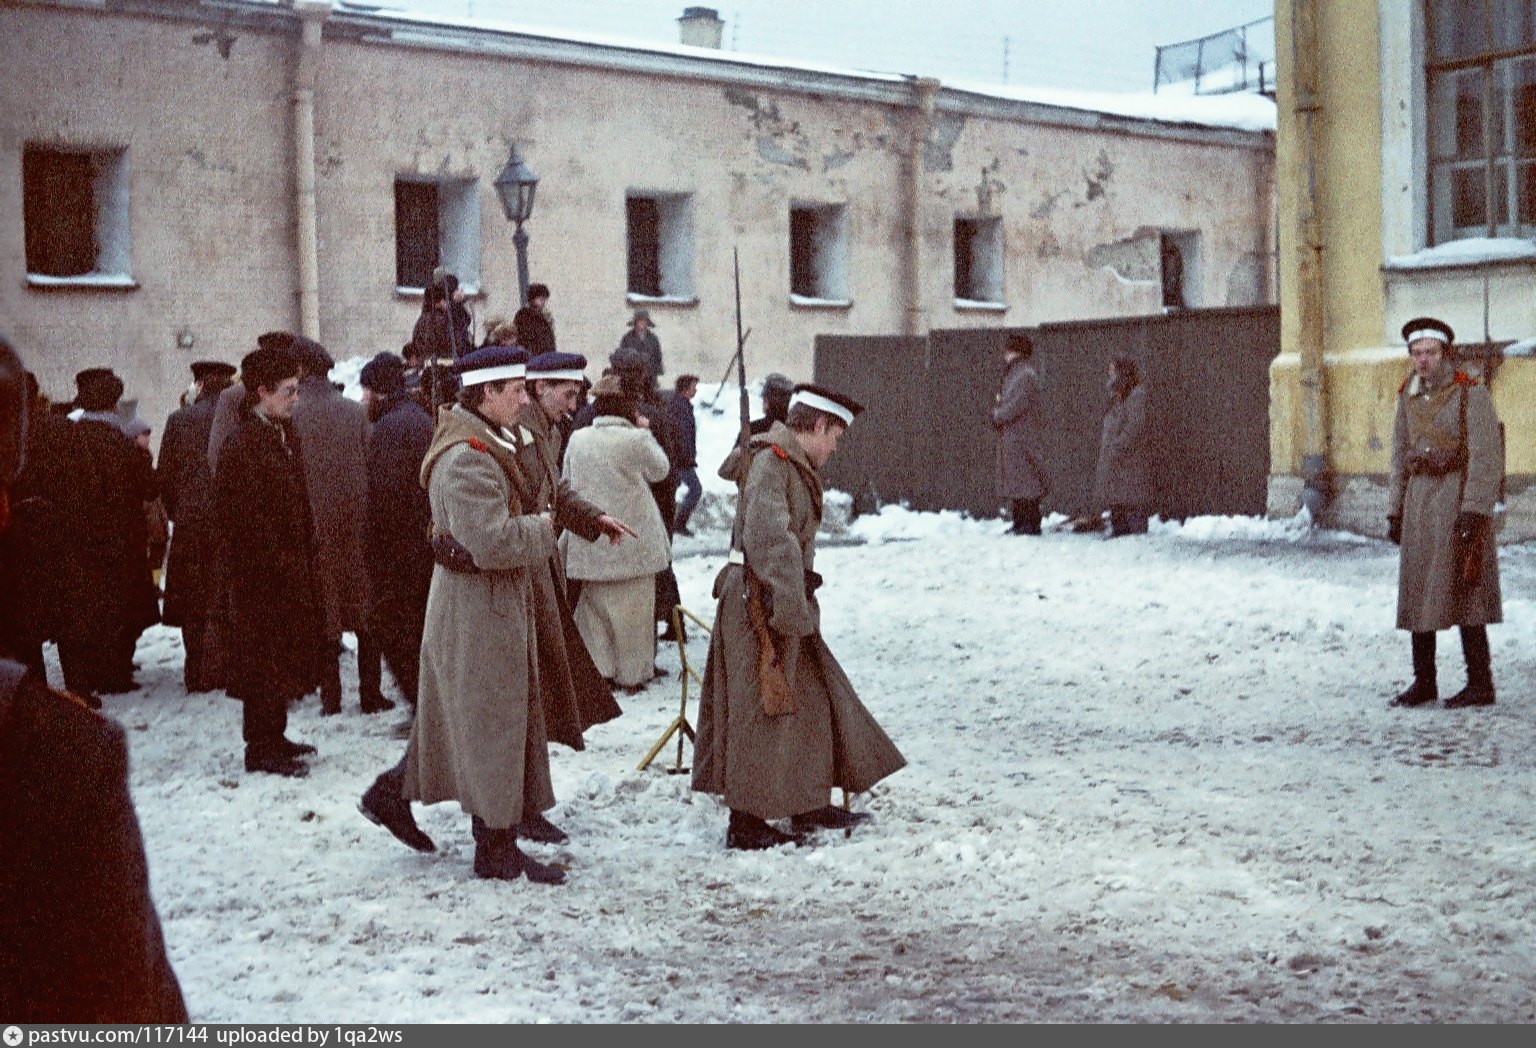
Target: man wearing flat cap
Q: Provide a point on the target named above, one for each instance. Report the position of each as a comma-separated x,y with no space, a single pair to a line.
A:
1447,464
186,490
779,722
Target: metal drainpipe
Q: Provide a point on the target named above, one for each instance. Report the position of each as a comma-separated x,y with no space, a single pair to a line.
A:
916,320
312,15
1317,490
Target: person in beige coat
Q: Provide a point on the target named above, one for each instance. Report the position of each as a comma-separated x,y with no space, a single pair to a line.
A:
779,722
614,461
478,735
1447,464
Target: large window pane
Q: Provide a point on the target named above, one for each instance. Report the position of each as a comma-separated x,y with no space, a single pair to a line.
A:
1459,28
1514,24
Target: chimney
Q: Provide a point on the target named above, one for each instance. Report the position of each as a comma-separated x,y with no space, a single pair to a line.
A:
700,27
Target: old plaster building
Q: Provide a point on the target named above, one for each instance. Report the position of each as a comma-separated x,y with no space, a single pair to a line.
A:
1407,172
177,176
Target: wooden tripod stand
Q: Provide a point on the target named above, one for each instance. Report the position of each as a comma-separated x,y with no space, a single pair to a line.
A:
679,726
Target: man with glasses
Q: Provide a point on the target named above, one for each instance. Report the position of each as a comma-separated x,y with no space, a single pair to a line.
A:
276,628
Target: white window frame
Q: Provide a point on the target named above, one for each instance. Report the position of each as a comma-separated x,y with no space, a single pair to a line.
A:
986,263
458,229
828,251
674,243
111,222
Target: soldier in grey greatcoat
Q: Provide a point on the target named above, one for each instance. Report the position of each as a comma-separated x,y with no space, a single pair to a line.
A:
1017,414
779,722
1447,464
1123,480
478,737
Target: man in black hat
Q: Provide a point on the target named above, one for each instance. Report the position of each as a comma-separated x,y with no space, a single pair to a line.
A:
1447,465
80,940
186,490
103,565
276,626
779,722
641,337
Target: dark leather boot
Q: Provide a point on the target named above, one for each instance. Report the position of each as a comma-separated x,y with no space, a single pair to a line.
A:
535,827
1424,689
383,806
1479,689
749,833
498,858
370,676
828,818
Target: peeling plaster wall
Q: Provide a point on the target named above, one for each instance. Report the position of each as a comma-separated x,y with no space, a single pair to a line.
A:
213,213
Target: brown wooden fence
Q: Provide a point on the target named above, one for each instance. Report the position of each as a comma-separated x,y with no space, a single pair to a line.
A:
927,441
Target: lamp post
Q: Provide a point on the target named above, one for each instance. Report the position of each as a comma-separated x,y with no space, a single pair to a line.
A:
515,186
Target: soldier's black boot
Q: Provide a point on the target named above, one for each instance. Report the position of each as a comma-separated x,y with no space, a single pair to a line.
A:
749,833
370,675
498,858
1479,689
1424,690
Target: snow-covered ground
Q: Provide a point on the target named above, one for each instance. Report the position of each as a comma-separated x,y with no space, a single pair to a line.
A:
1151,779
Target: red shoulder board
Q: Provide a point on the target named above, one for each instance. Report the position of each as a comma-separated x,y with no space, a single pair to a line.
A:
780,452
478,445
1464,379
1404,383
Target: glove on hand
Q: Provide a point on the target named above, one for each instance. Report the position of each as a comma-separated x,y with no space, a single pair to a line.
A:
1469,526
451,554
1395,530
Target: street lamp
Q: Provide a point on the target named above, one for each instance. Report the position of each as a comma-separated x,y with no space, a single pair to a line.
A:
515,186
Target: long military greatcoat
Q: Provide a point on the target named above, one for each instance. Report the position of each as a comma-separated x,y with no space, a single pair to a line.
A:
1429,417
776,766
477,738
574,693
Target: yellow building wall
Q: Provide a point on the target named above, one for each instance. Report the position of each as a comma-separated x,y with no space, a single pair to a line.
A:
1346,174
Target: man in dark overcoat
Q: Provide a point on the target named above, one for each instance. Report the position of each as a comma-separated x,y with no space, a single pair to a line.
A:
80,940
399,552
103,568
1017,415
186,490
276,624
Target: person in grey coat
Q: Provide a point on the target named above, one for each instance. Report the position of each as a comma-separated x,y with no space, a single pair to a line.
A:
334,432
1123,480
1447,464
1021,475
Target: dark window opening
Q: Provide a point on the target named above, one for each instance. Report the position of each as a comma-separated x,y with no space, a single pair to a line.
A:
644,223
802,252
59,212
417,234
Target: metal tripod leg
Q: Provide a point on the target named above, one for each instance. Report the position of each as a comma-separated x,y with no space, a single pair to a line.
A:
679,726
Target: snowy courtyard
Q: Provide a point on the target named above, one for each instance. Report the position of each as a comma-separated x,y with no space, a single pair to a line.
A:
1153,779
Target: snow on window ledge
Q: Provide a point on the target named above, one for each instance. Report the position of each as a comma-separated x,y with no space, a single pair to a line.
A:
807,302
1462,254
470,291
635,299
980,305
114,281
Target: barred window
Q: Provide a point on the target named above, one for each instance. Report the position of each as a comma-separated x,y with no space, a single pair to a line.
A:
1481,78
